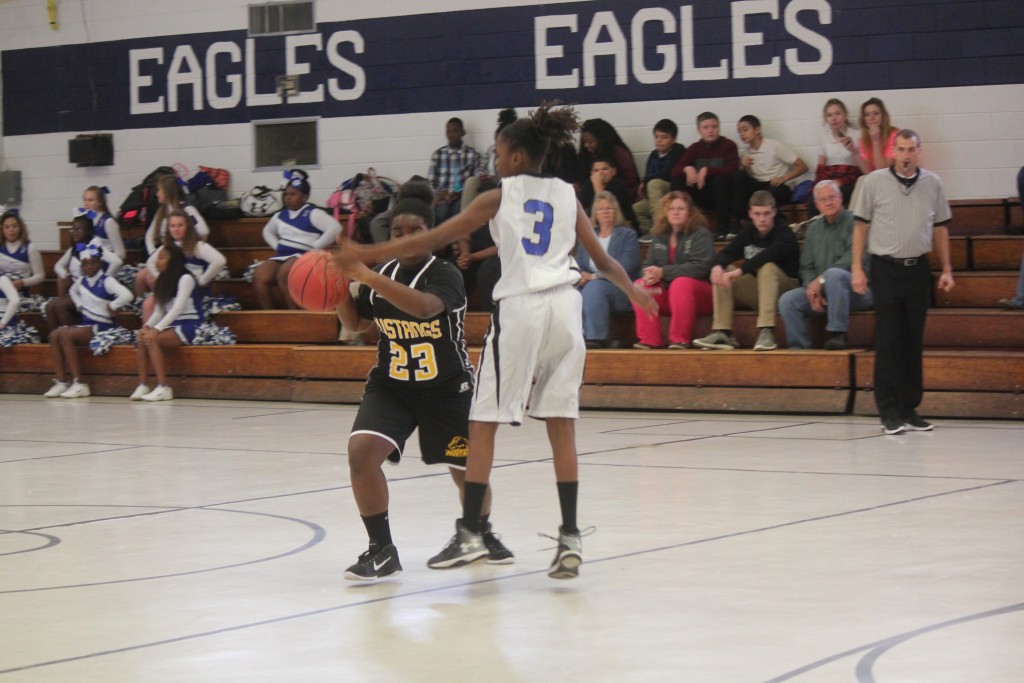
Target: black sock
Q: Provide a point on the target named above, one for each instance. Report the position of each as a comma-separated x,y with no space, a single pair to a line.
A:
567,492
378,529
474,493
485,523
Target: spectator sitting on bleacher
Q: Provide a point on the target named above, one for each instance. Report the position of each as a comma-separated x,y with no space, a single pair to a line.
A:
107,229
61,309
765,164
604,177
706,172
202,260
297,228
838,158
478,260
20,260
599,139
825,274
676,273
657,175
176,317
1017,302
487,175
770,268
171,198
601,298
97,296
450,167
877,137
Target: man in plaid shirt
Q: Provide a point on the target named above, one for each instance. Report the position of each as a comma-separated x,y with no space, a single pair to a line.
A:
450,167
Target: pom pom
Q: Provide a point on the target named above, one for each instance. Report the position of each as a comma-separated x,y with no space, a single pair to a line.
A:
213,305
126,276
212,334
34,303
115,336
18,332
247,275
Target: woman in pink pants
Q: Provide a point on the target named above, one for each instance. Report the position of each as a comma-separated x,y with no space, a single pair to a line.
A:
676,273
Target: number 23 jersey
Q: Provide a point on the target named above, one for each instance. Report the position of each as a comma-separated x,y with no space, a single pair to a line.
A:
535,231
417,353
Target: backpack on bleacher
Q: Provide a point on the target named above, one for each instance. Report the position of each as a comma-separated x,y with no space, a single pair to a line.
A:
261,201
141,204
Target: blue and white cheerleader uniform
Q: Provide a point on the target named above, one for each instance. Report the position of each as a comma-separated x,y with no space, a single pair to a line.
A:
70,263
205,263
292,233
22,261
97,298
185,313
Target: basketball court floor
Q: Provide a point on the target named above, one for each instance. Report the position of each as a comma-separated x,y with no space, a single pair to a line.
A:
206,541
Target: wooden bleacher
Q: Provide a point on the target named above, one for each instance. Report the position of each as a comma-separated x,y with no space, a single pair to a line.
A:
974,359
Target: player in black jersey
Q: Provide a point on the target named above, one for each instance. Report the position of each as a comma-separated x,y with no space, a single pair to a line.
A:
423,378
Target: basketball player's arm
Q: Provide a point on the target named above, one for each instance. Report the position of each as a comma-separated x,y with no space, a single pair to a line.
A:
422,305
608,266
480,210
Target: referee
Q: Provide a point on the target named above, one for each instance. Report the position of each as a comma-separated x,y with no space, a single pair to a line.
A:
899,211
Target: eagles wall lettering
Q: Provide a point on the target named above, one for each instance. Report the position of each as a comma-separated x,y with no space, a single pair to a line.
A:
584,52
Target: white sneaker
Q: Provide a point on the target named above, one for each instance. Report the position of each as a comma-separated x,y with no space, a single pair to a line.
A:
139,393
161,393
77,390
56,390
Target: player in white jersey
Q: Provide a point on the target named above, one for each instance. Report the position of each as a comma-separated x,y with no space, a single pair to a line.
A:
536,329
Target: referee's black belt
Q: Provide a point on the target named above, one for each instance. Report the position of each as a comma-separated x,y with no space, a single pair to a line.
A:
900,261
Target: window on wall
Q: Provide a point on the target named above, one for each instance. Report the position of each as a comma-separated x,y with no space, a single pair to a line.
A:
276,18
286,144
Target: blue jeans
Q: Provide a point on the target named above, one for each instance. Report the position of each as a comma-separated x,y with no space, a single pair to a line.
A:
795,309
600,299
1018,300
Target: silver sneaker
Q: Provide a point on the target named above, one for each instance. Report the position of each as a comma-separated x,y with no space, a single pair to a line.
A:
568,556
462,549
766,340
717,340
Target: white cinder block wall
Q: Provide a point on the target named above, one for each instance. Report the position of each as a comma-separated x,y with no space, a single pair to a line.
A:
972,135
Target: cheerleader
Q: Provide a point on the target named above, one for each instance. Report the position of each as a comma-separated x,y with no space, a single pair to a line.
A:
96,296
177,314
107,229
171,198
19,258
61,310
202,260
12,330
68,268
292,231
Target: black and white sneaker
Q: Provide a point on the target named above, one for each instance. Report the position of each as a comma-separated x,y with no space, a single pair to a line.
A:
375,563
914,423
568,556
462,548
497,553
893,426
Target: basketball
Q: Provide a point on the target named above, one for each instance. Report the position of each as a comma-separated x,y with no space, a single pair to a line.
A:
314,283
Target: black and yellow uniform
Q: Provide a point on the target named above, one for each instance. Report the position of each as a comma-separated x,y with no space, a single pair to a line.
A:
423,377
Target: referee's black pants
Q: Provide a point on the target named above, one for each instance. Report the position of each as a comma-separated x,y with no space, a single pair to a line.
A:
901,295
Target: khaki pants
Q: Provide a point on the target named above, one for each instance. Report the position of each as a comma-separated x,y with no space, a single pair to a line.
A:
759,293
647,208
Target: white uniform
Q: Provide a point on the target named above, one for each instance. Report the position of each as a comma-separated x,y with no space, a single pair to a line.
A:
537,326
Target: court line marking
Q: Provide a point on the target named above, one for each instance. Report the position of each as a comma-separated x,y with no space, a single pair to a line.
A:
494,579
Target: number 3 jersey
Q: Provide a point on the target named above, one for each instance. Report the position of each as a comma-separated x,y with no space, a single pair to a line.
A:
415,353
535,231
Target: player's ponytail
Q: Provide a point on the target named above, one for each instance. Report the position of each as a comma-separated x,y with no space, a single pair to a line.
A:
545,130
